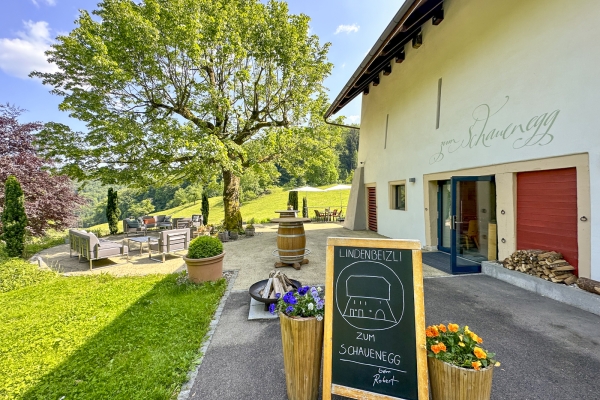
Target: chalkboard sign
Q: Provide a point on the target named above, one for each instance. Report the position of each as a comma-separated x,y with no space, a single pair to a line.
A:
374,320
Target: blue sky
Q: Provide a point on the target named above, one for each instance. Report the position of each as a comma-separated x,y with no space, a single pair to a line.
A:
28,28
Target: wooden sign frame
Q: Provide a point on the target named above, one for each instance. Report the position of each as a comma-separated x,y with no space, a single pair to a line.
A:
419,308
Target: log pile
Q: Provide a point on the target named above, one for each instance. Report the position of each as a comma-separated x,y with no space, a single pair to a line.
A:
589,285
548,265
277,283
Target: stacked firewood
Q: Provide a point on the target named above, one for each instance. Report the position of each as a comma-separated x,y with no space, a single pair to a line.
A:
277,283
548,265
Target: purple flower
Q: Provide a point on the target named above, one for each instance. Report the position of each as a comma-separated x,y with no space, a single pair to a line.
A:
290,309
272,308
303,290
314,293
277,295
290,298
320,304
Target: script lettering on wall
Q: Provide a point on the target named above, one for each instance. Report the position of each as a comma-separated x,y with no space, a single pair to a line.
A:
535,131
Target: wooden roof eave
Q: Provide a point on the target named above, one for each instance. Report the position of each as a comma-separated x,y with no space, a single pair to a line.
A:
398,32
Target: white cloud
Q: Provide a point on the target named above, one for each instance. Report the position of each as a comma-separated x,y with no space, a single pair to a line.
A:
347,29
49,2
353,118
25,53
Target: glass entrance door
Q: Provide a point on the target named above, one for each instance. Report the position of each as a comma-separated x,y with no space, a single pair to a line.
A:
444,216
472,222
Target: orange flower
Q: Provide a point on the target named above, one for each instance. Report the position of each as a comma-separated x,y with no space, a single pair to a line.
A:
442,327
453,327
432,331
479,352
436,348
476,365
476,338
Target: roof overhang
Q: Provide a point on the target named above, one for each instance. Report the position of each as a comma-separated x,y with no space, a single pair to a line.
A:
401,30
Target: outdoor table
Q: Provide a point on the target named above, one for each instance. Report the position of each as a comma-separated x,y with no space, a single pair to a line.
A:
291,242
287,213
141,240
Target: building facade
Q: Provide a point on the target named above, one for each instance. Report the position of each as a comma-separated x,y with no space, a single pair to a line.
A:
480,130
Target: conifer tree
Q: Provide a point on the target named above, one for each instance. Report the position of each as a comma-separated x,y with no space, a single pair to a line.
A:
14,219
293,200
112,211
205,207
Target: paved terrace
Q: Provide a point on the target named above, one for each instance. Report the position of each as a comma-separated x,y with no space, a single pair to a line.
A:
251,256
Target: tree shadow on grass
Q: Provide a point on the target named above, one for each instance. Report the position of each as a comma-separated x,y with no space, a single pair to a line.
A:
144,353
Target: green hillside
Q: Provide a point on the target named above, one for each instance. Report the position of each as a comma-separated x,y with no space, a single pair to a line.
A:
261,209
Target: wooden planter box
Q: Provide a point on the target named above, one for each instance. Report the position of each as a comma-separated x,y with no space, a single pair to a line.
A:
302,340
449,382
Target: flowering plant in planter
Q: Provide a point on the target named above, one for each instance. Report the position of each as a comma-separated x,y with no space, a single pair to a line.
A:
457,346
304,302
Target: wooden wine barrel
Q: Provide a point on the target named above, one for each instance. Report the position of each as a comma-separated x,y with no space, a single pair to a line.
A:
291,241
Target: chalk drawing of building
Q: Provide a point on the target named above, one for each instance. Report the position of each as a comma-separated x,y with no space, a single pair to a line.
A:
368,297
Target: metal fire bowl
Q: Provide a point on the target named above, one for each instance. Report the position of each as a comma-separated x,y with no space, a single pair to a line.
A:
255,288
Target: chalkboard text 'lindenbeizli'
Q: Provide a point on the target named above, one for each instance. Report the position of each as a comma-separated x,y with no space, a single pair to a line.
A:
371,254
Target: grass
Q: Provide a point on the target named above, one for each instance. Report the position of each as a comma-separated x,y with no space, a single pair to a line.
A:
16,273
52,238
261,209
101,337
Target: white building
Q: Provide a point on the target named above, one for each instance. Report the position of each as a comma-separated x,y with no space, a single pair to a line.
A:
480,129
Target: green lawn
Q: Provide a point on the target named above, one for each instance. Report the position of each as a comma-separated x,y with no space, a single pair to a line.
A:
261,209
101,337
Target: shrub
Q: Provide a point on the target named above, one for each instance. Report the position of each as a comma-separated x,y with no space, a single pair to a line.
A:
16,273
14,219
205,207
293,200
205,246
112,211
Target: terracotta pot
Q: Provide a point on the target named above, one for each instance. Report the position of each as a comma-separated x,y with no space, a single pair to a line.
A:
205,269
449,382
302,340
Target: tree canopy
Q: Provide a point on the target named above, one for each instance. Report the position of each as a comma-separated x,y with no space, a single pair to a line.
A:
50,201
188,89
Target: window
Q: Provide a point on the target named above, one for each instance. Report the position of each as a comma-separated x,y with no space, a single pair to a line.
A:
398,195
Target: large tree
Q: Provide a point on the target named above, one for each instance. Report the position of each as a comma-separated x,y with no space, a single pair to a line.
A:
50,201
189,89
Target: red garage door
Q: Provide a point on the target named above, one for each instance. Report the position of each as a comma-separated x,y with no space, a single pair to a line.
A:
547,212
372,209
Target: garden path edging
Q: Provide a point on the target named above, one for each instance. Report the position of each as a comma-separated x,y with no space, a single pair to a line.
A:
185,391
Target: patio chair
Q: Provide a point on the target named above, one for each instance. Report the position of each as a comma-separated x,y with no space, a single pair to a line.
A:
170,242
197,220
134,227
88,246
318,216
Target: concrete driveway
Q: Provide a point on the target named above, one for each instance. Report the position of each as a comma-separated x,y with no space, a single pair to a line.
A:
547,350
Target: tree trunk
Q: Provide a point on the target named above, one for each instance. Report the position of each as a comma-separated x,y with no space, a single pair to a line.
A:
231,200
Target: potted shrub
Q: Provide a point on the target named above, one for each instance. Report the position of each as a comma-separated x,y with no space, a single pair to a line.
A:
222,233
301,321
250,230
458,367
204,260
